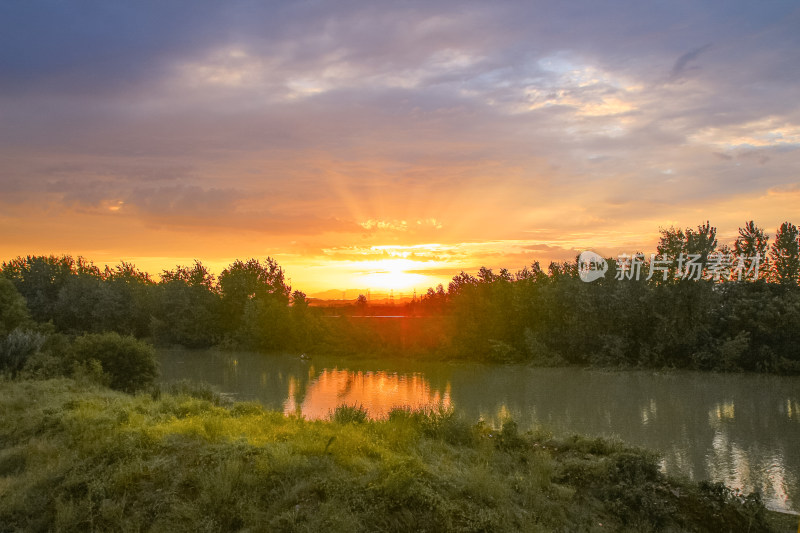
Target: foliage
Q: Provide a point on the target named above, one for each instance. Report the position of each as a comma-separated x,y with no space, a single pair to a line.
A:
13,308
129,364
701,321
39,279
90,459
17,347
350,414
186,387
686,315
245,281
753,241
785,255
187,308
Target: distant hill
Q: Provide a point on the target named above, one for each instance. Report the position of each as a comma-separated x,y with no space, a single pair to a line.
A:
336,294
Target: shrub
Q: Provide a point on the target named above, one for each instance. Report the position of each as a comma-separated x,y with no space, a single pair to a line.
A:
17,348
129,364
347,414
509,436
441,423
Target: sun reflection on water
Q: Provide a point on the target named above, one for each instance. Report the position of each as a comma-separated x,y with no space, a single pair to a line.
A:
378,391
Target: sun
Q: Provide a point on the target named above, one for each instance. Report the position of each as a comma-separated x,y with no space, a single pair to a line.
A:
394,280
392,274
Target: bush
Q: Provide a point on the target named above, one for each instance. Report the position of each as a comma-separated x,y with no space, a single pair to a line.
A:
441,423
129,364
17,348
52,359
347,414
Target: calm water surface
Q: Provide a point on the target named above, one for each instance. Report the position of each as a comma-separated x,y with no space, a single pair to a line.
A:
743,430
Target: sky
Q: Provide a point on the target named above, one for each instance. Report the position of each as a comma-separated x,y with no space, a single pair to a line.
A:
391,145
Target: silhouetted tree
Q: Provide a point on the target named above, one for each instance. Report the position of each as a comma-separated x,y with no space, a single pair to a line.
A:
434,301
671,245
299,300
752,240
702,241
785,255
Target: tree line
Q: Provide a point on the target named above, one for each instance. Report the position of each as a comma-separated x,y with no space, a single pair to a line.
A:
704,320
187,306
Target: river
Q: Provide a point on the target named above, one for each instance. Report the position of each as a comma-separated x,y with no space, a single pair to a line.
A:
743,430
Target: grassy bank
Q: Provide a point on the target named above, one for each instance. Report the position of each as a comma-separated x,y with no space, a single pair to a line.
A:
75,457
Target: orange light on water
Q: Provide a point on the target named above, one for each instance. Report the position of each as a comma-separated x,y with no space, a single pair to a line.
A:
379,392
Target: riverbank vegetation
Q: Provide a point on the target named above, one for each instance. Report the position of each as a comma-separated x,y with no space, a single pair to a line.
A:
720,314
89,441
75,456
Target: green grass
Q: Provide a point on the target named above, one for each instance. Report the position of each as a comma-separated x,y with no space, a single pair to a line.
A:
349,414
74,457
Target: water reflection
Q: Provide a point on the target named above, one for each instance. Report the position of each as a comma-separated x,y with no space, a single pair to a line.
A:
379,392
740,429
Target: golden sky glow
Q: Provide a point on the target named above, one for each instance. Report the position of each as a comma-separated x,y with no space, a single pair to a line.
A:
388,148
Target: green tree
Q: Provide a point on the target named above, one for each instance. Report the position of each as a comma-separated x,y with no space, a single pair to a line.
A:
305,330
136,291
39,279
13,309
785,255
187,307
675,244
671,245
129,364
85,304
243,282
753,242
563,270
533,274
702,241
265,325
195,276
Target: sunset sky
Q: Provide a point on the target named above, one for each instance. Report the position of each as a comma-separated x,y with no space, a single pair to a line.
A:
391,145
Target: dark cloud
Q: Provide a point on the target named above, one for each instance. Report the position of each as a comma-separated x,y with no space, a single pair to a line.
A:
91,48
681,65
185,200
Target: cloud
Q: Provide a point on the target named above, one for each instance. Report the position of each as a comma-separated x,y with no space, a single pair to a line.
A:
340,126
680,68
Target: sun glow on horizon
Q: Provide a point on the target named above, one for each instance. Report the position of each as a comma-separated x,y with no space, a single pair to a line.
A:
392,274
394,280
